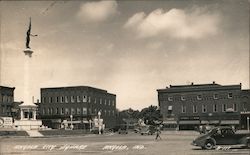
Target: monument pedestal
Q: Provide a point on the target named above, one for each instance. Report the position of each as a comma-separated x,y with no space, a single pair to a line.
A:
28,119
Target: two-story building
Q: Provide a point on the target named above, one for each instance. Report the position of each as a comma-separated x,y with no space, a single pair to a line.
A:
189,106
79,103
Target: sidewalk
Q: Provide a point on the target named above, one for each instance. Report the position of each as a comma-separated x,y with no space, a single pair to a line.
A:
180,132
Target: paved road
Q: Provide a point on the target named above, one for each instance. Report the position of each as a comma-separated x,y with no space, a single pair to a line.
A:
172,143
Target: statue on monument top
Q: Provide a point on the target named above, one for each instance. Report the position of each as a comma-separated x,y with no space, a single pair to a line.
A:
28,35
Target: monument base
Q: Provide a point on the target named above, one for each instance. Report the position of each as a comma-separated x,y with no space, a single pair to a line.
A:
28,124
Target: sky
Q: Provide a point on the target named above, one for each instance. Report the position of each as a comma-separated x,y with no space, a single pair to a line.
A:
129,48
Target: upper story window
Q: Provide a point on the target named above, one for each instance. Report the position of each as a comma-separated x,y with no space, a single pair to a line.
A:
215,108
50,99
66,99
183,98
78,111
84,98
57,99
216,96
109,102
183,109
230,95
57,111
78,99
235,107
199,97
194,108
204,108
224,107
95,100
113,103
66,111
62,99
84,111
62,111
170,98
105,102
72,99
100,101
89,99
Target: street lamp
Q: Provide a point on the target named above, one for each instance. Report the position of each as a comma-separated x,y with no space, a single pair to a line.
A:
71,118
248,124
99,123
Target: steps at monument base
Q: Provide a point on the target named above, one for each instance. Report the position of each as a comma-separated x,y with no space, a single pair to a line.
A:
34,133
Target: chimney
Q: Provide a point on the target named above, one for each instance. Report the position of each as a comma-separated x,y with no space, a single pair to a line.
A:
213,82
192,83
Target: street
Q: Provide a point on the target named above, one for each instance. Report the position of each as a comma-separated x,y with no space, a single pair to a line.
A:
172,142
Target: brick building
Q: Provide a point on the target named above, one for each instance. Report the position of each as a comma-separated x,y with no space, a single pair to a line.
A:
6,101
188,106
82,102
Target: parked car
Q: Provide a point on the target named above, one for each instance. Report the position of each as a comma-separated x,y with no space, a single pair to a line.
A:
222,135
147,130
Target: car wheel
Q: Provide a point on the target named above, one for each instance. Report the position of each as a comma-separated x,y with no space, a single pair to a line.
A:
209,145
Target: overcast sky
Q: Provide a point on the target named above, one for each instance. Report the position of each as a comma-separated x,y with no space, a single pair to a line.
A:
129,48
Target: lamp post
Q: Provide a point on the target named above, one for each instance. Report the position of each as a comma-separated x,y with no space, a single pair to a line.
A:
248,124
99,123
71,118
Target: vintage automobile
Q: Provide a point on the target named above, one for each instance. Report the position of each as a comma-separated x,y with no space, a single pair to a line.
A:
222,135
147,130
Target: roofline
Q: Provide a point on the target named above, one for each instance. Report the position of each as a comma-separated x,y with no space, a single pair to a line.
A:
88,87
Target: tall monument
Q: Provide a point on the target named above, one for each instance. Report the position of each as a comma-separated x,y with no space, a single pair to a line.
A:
28,109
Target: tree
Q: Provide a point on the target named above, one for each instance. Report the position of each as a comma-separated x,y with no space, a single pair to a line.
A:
151,115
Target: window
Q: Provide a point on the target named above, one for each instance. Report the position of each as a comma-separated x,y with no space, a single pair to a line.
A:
215,108
50,99
170,108
84,98
100,101
84,111
224,107
215,96
78,111
109,102
95,100
72,111
204,108
90,110
113,103
66,111
109,112
66,99
61,99
51,111
183,98
170,98
113,113
105,102
48,111
57,111
89,99
44,111
57,99
78,99
183,109
235,107
105,112
199,97
194,108
230,95
72,99
62,111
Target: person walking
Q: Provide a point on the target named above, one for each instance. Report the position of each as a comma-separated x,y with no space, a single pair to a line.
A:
158,131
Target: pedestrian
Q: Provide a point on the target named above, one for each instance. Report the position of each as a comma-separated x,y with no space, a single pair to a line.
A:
158,131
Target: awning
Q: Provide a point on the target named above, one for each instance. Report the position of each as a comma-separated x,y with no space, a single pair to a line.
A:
169,122
210,121
189,122
230,122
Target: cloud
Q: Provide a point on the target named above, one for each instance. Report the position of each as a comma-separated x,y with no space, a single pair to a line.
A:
175,23
97,11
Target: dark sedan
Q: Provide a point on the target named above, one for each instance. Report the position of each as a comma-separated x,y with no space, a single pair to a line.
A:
222,136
